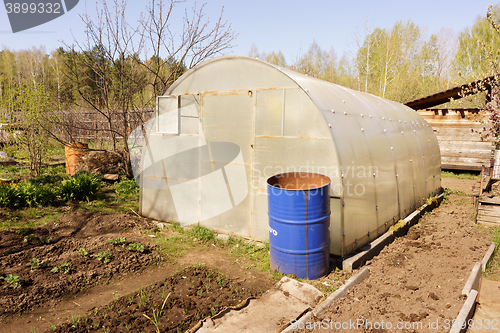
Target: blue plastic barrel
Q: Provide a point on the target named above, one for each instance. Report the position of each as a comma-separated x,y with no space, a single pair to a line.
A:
299,224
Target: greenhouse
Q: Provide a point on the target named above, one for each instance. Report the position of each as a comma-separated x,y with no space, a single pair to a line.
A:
227,125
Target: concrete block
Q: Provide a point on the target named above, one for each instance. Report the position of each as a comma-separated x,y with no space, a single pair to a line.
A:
342,291
465,313
303,291
473,281
487,256
374,249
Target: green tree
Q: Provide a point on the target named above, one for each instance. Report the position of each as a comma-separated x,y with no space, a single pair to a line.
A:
37,119
477,52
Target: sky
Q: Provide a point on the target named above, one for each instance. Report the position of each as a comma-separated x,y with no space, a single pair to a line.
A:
274,25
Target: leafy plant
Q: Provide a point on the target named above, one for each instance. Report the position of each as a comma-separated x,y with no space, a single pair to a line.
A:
14,281
35,263
82,186
65,268
83,252
136,247
22,231
103,257
118,241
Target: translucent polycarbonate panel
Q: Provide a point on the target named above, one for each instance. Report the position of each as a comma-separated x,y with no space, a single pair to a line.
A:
167,113
190,125
295,100
409,134
382,156
281,155
269,110
190,105
231,73
336,229
225,194
356,165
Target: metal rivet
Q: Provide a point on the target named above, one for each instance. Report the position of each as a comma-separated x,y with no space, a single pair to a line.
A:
390,119
343,203
343,101
374,174
345,113
333,111
361,115
343,233
399,120
330,125
402,133
362,130
392,148
370,116
383,118
368,234
378,232
376,207
396,175
356,241
342,175
410,159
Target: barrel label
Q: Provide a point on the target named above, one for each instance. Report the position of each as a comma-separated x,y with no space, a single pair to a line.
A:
272,231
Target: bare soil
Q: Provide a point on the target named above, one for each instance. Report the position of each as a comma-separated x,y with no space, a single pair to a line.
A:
46,298
417,280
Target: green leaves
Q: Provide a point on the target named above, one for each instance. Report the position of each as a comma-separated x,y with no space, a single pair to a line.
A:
35,193
82,186
14,281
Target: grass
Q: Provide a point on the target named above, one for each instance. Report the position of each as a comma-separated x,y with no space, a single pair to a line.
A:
460,175
493,267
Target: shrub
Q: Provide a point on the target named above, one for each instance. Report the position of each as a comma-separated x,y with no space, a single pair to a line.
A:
26,194
10,196
37,195
82,186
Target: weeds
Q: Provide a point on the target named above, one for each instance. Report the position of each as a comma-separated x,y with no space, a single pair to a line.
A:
461,175
203,234
127,188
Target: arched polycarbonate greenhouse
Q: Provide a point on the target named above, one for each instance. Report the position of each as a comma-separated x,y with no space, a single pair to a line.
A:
229,124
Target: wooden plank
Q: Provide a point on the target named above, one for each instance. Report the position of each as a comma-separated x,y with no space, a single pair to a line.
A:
486,182
465,160
456,125
458,166
468,154
489,224
467,144
493,201
488,219
491,213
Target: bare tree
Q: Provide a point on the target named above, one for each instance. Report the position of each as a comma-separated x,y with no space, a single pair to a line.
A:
120,69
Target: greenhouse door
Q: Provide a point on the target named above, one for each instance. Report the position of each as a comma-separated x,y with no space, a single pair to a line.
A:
227,126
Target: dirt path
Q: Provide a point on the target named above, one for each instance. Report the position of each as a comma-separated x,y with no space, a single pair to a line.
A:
416,281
